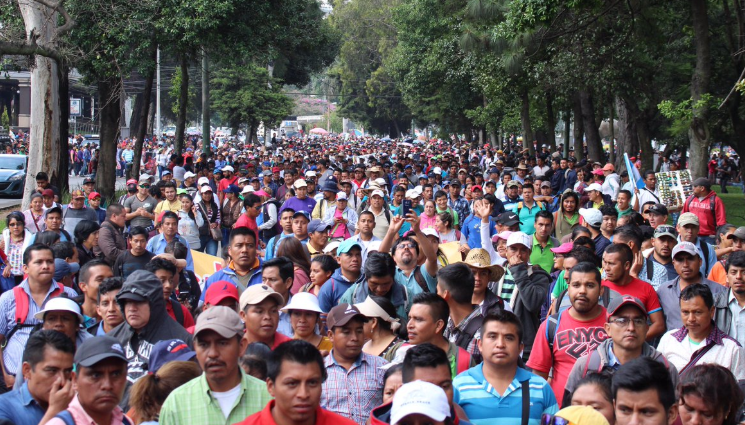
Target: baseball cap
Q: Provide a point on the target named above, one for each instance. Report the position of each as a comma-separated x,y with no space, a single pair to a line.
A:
609,167
89,180
347,246
421,398
502,235
205,188
317,225
546,184
412,194
598,172
665,230
220,290
331,246
202,181
77,194
430,232
231,189
687,247
60,304
49,193
310,174
247,189
302,213
131,181
62,268
168,173
223,320
94,195
255,294
275,170
508,219
98,348
303,301
658,209
563,248
618,302
739,233
166,351
688,218
377,192
341,196
592,216
182,191
702,181
189,174
582,415
300,183
477,187
520,238
512,183
594,186
228,168
342,314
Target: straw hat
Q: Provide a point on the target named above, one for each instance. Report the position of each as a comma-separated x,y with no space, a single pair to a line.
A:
480,259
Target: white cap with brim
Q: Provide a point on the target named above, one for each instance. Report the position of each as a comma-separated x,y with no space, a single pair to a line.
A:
228,168
592,216
520,238
205,188
60,304
420,398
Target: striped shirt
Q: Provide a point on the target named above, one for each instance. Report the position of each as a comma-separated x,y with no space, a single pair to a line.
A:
13,351
353,393
194,403
484,405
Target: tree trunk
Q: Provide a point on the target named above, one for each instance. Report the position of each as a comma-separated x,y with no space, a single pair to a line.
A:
579,128
183,100
60,176
142,121
109,92
134,120
550,121
628,139
594,147
567,133
645,139
698,133
525,119
45,102
206,104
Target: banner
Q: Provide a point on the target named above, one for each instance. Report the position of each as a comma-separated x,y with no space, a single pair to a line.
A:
634,174
205,265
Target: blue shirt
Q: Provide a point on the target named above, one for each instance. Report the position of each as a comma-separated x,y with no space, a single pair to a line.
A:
484,405
410,282
20,408
527,216
157,245
471,229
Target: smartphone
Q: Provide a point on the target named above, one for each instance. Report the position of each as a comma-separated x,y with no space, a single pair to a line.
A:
406,207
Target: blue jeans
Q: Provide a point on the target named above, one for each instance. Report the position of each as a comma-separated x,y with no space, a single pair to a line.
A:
209,245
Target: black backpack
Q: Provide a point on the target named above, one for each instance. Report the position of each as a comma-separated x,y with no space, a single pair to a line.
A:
267,234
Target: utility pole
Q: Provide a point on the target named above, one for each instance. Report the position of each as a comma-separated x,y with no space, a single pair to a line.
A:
157,96
205,104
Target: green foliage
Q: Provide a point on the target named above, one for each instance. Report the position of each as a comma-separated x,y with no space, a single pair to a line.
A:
174,93
681,113
243,96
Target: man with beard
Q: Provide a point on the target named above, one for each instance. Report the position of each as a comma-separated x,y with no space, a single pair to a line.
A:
568,335
664,240
413,277
688,265
146,321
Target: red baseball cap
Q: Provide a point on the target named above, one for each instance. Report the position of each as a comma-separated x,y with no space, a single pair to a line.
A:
220,290
94,195
275,170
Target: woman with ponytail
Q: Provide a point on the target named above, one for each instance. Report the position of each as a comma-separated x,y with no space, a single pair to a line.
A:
150,392
381,331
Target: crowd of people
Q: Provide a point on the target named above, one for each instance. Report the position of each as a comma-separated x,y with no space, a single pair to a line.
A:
370,281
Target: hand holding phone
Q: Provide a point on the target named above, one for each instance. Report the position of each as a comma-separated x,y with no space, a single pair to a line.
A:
406,207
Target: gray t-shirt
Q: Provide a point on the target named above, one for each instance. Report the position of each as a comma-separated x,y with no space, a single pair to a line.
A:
133,204
71,217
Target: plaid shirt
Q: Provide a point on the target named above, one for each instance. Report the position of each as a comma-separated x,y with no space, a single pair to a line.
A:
460,206
193,403
355,392
467,341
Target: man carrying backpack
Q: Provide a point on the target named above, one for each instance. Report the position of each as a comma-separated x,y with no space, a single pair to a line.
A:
569,334
708,207
18,307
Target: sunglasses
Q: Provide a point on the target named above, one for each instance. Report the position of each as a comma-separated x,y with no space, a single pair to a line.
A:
145,186
547,419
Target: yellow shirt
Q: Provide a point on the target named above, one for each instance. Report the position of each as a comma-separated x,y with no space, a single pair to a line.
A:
165,205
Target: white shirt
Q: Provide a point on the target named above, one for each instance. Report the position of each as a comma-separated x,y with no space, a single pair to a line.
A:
611,186
540,172
729,354
646,195
227,399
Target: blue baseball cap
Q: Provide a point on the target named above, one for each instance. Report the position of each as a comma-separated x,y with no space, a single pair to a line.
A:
232,189
169,350
303,213
317,225
347,246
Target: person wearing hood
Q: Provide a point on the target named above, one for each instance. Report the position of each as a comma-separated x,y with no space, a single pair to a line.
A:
627,327
380,271
146,321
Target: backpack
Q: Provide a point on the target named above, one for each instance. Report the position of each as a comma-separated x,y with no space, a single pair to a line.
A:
604,301
22,306
67,418
177,311
712,206
386,211
267,234
520,206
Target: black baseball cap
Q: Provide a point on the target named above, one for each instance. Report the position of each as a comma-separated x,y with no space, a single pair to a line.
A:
659,209
508,219
97,349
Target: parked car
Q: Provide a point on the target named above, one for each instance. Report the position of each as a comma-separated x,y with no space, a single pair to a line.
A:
12,174
169,131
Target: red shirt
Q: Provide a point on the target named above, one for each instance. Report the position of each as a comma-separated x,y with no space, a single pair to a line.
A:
280,338
188,318
323,417
224,183
246,221
639,289
573,339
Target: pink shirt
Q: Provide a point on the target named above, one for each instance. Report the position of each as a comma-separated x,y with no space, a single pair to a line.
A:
426,222
82,418
340,229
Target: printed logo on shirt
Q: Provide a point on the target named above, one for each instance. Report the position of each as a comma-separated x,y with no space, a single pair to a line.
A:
580,341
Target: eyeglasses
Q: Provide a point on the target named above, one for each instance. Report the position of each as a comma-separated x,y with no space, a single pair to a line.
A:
405,246
145,186
622,322
547,419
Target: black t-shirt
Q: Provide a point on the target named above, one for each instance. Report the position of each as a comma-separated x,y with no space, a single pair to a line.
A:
127,263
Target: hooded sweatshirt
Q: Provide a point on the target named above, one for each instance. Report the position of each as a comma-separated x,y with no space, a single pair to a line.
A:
137,345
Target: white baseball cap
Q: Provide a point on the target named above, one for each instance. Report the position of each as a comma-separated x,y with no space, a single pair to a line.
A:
331,247
592,216
420,397
203,180
247,189
381,182
412,194
377,192
300,183
228,168
520,238
594,186
430,232
437,170
341,195
189,174
310,174
205,188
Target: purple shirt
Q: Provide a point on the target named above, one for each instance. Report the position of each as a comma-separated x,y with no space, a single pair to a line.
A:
296,204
